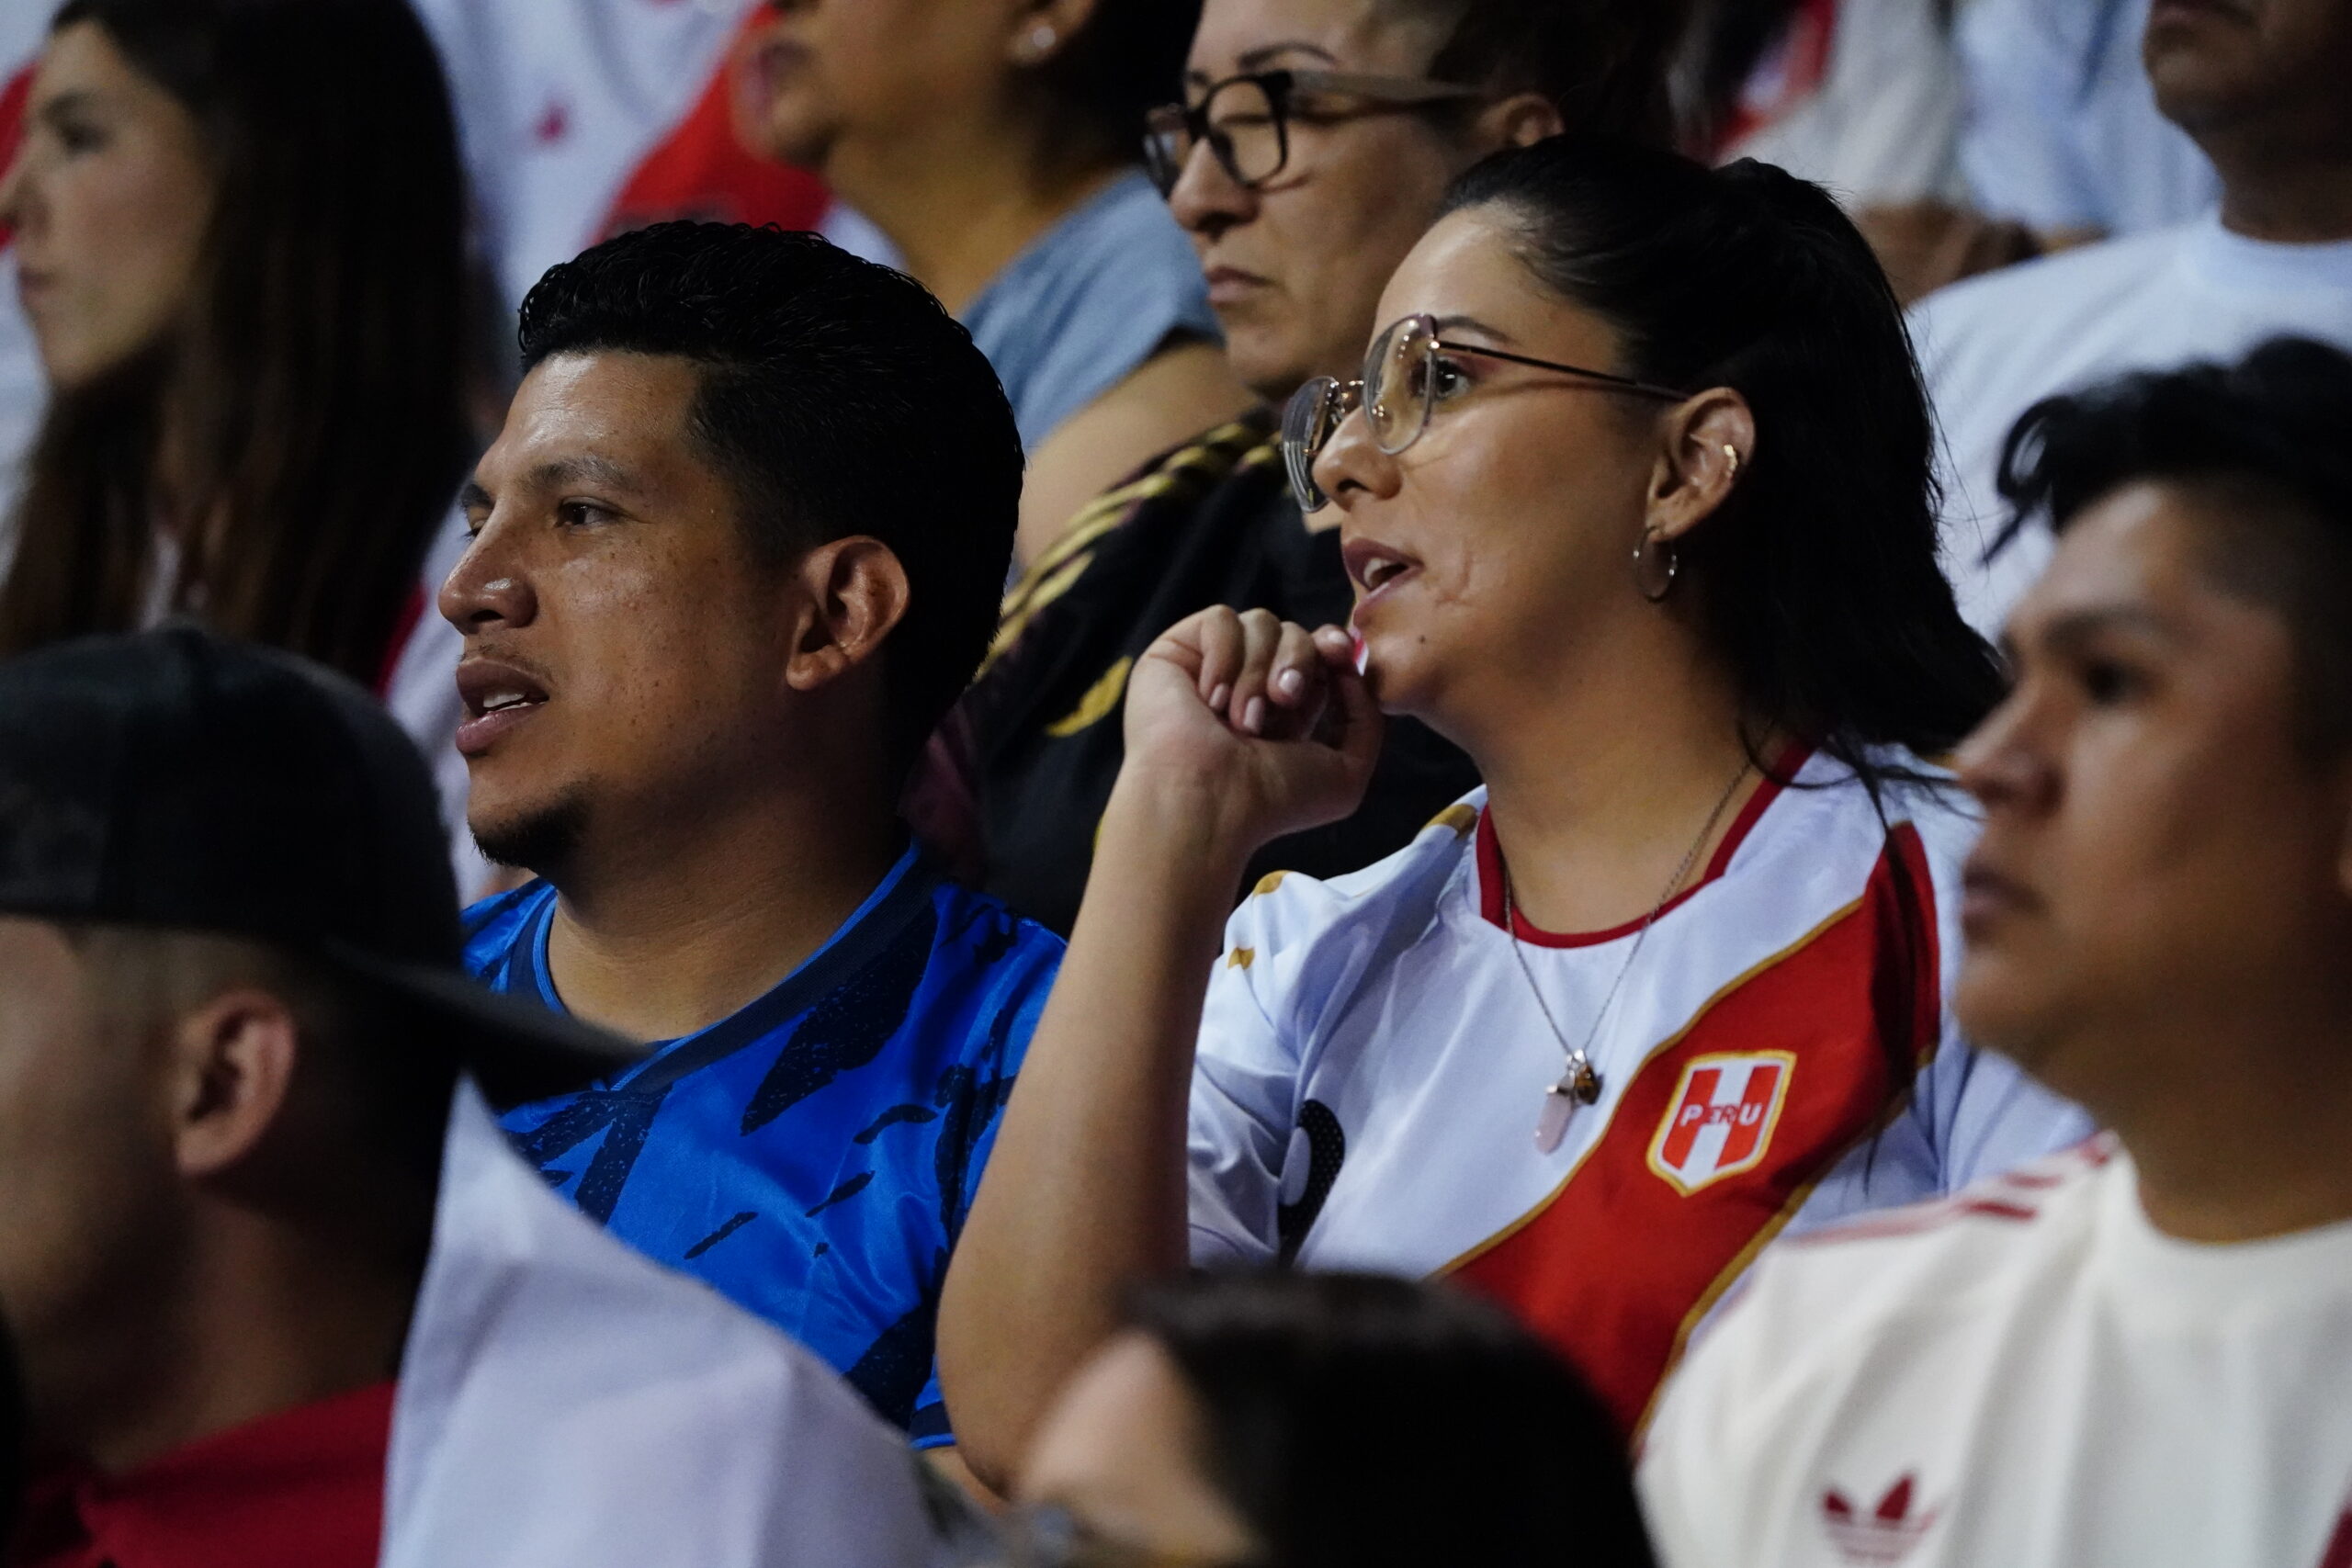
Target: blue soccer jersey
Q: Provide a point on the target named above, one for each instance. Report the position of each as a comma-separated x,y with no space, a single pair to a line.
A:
811,1156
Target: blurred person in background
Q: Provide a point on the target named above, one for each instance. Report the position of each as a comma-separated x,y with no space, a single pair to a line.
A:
284,1297
995,142
2062,132
1283,1420
736,551
2260,86
1313,142
2133,1352
1636,499
248,285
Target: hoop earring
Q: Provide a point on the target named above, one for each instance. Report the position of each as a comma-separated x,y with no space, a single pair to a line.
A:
1731,453
1647,578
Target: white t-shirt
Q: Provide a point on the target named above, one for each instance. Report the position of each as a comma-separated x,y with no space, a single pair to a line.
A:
1993,346
1862,97
1372,1066
2062,129
564,1399
2029,1375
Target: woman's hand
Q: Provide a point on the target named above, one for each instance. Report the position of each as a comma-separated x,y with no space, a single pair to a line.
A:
1265,727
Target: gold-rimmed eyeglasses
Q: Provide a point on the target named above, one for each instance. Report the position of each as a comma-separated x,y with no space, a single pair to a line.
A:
1405,378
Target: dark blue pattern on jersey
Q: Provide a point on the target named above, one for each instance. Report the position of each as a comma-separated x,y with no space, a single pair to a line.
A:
814,1155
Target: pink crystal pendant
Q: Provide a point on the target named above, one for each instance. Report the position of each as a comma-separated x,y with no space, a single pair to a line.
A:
1579,1087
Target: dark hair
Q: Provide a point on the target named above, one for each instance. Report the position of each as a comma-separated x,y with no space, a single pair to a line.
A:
1355,1420
1603,64
836,397
2266,437
1818,582
1127,56
317,384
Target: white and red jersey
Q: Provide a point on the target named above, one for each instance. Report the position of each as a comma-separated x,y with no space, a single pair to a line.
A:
584,118
2029,1375
1372,1066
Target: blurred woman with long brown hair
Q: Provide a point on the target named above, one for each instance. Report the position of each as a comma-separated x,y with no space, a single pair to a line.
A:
241,235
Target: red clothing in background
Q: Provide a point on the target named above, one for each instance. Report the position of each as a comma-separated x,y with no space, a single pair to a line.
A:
303,1489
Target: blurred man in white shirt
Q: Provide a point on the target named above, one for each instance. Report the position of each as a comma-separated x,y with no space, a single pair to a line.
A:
2133,1353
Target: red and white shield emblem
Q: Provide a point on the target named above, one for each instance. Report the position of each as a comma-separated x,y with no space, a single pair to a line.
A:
1721,1119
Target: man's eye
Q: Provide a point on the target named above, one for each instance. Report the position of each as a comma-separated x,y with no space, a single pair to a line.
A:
2107,683
581,513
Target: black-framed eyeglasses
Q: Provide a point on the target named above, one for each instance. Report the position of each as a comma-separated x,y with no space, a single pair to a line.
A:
1404,380
1246,119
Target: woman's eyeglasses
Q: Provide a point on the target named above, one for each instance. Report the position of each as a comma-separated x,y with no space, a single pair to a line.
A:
1246,119
1405,378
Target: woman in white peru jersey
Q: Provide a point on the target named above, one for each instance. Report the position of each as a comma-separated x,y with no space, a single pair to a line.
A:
1637,503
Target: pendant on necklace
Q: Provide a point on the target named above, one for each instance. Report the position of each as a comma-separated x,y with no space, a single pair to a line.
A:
1579,1086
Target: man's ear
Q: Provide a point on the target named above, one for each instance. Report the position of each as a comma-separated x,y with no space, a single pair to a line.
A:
1519,120
853,592
234,1061
1707,443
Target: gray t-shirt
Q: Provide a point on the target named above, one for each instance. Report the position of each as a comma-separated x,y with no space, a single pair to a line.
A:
1091,299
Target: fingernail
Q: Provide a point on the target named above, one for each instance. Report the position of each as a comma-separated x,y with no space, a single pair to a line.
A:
1289,682
1254,718
1218,698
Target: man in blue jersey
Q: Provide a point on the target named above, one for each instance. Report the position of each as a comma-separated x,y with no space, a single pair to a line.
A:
737,549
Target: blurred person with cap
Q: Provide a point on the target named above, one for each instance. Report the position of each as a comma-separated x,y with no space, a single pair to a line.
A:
995,143
2133,1352
2258,85
282,1295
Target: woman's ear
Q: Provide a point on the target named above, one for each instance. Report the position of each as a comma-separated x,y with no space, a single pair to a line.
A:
853,593
1707,443
1519,120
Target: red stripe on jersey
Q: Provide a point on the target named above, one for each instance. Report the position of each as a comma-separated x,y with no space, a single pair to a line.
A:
412,614
1626,1254
2339,1545
703,170
14,99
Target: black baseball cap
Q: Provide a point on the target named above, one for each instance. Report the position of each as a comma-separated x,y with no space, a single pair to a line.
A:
172,779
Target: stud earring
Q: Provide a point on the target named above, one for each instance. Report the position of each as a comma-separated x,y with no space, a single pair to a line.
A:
1040,41
1731,453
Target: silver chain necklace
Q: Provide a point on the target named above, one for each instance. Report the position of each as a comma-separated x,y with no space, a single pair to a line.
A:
1581,1084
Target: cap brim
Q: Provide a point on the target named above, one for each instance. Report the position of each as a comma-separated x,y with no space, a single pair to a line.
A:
516,1050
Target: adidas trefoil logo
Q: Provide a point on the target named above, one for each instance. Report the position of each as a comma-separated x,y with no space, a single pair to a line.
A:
1882,1537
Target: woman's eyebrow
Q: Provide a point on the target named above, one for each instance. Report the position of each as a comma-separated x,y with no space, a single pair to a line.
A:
1473,324
1264,55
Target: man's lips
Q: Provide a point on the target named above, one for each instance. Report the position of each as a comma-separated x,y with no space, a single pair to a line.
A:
1374,567
498,696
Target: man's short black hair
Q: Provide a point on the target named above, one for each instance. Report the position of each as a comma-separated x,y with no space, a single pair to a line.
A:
2269,441
836,398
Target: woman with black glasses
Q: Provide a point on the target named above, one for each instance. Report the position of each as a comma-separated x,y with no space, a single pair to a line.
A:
1309,151
1634,492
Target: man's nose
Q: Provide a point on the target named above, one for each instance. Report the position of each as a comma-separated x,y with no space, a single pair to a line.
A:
487,587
